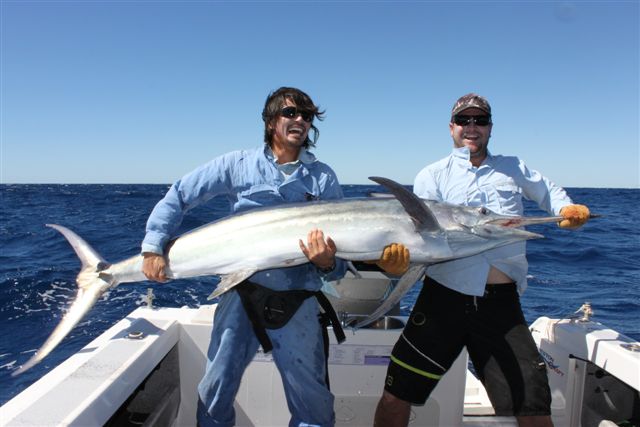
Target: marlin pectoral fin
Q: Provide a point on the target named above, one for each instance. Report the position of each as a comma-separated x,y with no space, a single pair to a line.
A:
406,282
228,281
420,214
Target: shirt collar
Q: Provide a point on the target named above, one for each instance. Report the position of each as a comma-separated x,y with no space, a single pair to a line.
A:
463,153
305,157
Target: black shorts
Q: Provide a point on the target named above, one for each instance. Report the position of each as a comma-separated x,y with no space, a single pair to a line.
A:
497,338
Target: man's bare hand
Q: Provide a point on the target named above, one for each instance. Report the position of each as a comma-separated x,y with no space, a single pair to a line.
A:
320,252
153,266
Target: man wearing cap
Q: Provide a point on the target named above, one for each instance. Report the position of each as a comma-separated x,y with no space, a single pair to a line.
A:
474,301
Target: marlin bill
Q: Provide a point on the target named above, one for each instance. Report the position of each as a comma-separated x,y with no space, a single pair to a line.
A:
235,247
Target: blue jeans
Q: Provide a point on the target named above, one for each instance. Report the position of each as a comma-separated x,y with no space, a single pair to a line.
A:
297,352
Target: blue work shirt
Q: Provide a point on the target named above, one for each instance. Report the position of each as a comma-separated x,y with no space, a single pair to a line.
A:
249,179
499,184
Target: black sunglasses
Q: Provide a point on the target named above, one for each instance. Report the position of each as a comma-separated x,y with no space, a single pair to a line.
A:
462,120
292,113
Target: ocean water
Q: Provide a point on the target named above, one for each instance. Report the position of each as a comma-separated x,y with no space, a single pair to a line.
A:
597,263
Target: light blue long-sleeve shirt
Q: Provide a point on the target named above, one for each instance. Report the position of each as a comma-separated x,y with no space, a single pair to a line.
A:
500,183
249,179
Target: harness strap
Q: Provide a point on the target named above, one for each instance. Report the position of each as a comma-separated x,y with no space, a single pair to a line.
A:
328,317
332,317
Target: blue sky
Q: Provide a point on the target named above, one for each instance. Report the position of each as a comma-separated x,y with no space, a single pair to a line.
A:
144,91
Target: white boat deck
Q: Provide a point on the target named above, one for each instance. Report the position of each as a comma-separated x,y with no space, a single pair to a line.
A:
91,385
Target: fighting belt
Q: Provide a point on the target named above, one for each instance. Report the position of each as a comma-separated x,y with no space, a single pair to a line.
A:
269,309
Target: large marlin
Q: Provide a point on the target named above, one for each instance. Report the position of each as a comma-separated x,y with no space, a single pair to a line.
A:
237,246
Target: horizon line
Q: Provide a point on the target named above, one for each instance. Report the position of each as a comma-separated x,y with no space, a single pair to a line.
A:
169,184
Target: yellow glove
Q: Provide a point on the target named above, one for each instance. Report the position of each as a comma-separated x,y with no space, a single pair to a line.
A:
394,259
574,216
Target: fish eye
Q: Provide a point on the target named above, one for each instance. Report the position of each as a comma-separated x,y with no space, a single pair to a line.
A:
483,211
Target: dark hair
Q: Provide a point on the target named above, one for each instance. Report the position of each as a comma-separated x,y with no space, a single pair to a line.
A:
275,102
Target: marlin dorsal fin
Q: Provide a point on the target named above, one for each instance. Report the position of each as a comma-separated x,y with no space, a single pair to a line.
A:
420,214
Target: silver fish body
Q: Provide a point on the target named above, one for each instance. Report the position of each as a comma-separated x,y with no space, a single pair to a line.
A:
237,246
